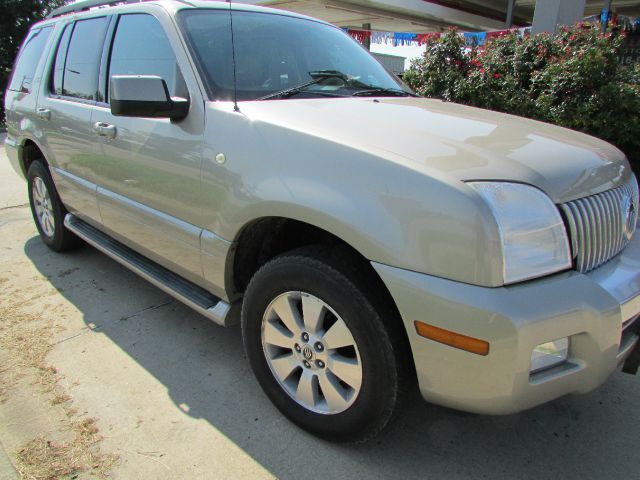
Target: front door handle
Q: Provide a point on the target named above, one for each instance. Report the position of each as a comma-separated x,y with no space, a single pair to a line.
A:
44,113
105,129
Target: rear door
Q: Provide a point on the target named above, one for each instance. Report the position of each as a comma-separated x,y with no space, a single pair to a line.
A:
67,98
149,177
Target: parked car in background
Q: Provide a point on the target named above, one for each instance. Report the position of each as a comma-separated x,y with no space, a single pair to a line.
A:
375,240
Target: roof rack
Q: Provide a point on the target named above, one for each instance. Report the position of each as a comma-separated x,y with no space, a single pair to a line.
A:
87,4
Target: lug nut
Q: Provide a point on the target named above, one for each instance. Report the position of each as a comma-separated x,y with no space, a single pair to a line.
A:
297,347
305,337
319,347
306,364
319,363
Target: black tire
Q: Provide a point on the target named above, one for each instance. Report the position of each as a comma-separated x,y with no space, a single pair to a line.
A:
333,277
62,239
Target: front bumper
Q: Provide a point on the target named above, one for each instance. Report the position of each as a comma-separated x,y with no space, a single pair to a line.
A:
590,309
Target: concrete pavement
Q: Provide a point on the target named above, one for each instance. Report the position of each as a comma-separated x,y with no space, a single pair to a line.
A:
7,472
175,398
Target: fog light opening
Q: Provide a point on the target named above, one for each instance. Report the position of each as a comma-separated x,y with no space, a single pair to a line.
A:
549,355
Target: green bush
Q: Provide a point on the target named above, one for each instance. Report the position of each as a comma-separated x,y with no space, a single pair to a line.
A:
573,79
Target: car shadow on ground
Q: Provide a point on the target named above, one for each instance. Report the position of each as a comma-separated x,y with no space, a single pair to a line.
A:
204,370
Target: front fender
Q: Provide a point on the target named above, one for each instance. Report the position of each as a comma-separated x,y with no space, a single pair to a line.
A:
391,210
444,239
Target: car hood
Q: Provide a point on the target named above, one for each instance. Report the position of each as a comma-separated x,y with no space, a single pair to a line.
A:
461,142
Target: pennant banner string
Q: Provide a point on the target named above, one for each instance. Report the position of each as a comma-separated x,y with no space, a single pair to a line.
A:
417,39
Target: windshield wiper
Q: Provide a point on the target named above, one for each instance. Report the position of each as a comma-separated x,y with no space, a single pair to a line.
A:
289,92
373,91
318,76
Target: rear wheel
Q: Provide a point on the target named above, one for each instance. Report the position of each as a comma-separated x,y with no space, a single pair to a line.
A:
317,342
47,209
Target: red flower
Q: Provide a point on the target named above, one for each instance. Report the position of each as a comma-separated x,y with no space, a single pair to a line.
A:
482,70
572,37
497,75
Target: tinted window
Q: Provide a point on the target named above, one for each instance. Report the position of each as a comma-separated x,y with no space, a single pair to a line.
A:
276,52
61,55
28,59
140,47
83,59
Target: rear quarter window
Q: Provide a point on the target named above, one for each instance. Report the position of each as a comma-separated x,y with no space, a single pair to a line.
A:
28,59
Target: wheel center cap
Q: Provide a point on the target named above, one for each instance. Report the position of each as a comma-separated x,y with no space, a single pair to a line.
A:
307,352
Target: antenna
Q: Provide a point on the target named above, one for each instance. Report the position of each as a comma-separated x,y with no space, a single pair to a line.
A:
233,53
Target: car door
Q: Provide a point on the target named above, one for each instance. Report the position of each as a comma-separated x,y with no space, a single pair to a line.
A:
149,178
64,110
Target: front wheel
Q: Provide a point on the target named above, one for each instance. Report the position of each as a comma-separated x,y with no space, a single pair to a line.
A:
317,342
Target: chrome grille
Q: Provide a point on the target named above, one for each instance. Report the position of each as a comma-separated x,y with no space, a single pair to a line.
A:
602,225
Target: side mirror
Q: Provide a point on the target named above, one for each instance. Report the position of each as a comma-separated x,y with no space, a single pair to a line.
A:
145,96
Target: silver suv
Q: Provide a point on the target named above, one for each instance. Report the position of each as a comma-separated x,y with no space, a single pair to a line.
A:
241,156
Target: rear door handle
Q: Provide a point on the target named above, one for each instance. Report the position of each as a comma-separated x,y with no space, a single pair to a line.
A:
105,129
44,113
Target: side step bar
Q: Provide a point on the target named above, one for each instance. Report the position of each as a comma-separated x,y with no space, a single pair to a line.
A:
188,293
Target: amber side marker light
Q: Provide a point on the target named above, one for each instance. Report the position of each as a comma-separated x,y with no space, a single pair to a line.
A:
456,340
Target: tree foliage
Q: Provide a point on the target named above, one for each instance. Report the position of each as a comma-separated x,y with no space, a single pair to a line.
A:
15,21
573,79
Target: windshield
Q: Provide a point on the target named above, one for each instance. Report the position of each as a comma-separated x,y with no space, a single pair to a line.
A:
277,53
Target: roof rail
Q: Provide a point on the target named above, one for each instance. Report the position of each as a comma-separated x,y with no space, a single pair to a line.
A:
87,4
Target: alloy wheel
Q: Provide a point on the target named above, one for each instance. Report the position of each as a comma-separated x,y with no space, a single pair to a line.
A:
43,207
311,353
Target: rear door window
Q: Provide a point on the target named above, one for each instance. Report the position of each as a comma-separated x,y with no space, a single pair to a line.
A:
80,79
28,59
61,55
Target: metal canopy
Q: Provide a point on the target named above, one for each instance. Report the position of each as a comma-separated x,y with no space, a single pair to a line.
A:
415,16
422,16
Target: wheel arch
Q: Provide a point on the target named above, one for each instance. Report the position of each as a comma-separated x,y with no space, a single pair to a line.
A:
28,152
262,239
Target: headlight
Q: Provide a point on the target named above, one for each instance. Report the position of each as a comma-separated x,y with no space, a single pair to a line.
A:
534,238
549,354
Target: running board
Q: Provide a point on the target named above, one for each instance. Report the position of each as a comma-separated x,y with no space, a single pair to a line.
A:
188,293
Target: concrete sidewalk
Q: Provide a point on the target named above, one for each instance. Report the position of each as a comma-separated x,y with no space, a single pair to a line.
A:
174,396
